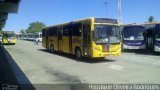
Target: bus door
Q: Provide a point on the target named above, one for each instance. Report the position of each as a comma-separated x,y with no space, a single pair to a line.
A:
86,39
60,33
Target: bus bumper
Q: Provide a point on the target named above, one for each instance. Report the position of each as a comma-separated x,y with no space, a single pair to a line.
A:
9,42
156,48
134,47
98,54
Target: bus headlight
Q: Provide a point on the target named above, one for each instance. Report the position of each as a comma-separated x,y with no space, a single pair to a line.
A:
97,49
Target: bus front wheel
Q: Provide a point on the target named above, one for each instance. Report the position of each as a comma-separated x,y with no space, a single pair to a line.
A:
78,53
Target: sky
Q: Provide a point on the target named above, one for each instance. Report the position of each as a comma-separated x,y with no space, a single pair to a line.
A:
52,12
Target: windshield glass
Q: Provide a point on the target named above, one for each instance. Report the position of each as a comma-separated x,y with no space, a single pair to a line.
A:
106,34
10,35
0,36
36,36
157,32
133,33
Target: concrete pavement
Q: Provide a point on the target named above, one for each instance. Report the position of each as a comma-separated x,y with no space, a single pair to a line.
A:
42,67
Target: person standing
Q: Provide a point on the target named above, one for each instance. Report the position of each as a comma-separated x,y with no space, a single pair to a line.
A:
36,42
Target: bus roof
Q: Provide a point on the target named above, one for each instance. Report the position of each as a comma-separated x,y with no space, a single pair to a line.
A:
149,26
97,20
148,23
131,24
9,32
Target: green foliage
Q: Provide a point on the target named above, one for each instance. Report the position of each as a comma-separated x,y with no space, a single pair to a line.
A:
151,19
35,27
23,31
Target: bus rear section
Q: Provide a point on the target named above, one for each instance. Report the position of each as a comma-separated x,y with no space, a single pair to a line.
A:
91,37
153,37
9,37
133,37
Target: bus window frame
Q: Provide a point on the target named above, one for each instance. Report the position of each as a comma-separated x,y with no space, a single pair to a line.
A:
76,29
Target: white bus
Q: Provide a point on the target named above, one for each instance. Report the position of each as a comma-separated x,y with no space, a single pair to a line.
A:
152,35
32,36
132,37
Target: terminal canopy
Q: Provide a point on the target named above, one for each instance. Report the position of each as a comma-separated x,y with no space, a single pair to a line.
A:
7,6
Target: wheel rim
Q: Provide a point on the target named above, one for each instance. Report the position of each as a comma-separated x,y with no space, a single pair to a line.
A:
78,54
51,48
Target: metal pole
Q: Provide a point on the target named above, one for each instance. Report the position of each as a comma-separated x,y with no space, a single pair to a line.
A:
119,12
106,7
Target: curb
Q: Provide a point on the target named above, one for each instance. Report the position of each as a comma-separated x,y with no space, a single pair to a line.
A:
16,75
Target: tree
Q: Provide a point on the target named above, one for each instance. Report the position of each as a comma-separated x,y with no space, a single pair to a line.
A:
151,19
35,27
23,31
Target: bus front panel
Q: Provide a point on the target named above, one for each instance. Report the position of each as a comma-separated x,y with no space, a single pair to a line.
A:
9,38
133,37
106,40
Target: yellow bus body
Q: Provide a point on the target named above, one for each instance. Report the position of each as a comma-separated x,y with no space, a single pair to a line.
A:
6,39
10,41
93,50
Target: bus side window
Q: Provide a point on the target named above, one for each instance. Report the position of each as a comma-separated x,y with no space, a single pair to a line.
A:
50,32
43,33
53,31
66,30
76,29
47,32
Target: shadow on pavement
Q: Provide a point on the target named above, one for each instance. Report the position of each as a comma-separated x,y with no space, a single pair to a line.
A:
142,52
70,56
11,76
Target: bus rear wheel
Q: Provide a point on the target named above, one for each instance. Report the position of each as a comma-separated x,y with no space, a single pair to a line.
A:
78,53
52,48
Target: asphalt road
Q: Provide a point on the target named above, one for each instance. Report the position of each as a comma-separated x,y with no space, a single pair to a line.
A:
42,67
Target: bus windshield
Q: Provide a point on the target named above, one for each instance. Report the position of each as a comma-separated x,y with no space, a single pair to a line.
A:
157,32
133,33
10,35
36,36
0,35
106,34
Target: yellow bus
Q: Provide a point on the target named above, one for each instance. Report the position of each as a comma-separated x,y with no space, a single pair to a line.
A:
9,37
90,37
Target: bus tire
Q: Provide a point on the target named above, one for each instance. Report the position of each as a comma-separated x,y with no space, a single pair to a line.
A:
52,48
78,53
